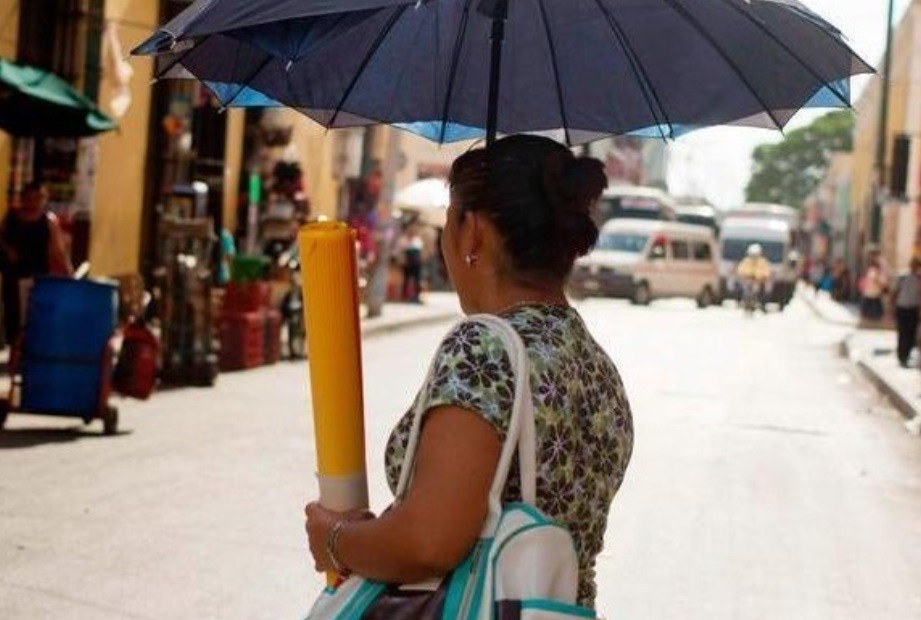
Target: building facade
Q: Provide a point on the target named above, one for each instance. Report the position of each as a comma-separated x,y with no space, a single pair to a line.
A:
110,190
899,235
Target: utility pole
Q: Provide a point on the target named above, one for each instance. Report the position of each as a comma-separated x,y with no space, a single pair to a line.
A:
882,136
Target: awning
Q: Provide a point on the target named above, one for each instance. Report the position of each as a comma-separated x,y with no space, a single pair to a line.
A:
35,102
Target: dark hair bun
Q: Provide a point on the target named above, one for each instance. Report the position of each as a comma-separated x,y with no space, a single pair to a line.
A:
539,196
573,185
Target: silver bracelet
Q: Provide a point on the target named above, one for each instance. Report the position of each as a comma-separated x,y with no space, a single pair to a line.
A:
332,540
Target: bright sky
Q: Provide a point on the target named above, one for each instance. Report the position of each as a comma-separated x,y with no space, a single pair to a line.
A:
716,162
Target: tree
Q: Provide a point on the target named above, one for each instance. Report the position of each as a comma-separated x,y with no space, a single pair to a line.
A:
787,172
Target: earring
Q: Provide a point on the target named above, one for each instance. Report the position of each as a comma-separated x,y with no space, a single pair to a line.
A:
471,259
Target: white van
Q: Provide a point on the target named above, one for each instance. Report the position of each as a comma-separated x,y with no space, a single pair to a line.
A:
642,260
634,202
776,240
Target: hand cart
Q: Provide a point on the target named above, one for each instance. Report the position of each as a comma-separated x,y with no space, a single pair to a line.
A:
62,364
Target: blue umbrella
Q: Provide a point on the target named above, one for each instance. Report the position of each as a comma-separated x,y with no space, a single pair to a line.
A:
576,70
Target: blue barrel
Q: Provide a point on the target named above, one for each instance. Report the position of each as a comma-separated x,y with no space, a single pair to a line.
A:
68,323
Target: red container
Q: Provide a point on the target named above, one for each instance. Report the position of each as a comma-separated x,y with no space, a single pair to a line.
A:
240,297
136,371
242,340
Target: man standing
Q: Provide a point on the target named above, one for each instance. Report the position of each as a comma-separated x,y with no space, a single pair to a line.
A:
31,244
906,297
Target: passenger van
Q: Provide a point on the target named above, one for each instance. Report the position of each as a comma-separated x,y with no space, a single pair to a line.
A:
643,260
701,215
776,240
632,202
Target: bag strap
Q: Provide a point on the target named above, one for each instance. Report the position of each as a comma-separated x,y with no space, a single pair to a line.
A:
521,433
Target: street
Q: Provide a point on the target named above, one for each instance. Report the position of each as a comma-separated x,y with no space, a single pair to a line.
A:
768,481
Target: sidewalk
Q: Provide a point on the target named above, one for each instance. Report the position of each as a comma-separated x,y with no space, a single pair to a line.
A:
436,308
872,350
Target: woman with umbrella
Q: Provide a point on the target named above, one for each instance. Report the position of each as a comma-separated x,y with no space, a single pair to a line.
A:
449,70
519,217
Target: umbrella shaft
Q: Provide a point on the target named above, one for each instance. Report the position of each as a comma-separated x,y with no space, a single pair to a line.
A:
495,69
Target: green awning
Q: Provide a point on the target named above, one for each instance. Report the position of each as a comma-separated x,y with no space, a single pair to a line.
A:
35,102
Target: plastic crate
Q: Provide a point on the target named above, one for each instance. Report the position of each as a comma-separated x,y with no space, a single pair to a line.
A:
242,340
242,297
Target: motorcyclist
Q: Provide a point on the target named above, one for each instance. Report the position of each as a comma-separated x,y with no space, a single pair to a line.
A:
754,270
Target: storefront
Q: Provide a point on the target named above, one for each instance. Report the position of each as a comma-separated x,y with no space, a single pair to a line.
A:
191,142
62,37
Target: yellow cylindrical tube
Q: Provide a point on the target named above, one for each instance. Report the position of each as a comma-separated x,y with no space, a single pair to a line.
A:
330,283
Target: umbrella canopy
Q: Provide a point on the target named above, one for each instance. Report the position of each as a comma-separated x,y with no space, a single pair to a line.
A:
429,198
576,70
34,102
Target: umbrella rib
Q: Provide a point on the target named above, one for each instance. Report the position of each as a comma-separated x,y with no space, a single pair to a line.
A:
452,75
169,67
556,72
366,61
785,47
244,85
683,12
639,72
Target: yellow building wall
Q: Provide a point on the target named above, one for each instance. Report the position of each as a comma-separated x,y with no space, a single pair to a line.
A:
315,147
122,162
9,33
233,165
866,131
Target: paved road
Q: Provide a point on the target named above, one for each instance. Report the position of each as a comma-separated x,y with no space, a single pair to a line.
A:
767,482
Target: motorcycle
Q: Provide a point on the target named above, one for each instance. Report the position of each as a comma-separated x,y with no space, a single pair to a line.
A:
751,297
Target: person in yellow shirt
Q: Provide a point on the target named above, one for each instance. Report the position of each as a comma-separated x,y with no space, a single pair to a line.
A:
756,271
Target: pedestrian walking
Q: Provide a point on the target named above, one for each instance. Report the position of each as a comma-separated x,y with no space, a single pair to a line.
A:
873,286
31,244
841,280
519,218
411,248
906,298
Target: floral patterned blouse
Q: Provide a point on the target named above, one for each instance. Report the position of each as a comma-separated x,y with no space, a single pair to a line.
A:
582,417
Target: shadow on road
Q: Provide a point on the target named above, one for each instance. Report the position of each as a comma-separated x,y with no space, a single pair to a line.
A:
17,438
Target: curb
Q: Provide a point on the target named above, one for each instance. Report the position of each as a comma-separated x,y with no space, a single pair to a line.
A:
811,303
895,398
371,331
846,351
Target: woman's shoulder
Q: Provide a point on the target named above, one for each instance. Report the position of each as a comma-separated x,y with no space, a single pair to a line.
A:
468,337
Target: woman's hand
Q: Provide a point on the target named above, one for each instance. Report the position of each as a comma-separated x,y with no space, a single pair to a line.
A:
318,522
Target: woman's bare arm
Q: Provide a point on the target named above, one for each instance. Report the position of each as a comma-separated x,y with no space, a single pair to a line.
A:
434,527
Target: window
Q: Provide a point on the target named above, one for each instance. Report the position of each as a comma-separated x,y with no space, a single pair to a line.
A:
680,250
65,37
702,252
734,249
622,243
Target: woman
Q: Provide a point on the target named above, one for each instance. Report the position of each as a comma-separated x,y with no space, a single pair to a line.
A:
411,246
872,288
519,217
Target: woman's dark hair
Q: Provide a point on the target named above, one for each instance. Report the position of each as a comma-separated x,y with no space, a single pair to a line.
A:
539,196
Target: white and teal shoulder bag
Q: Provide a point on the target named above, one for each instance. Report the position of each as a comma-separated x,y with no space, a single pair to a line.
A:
524,566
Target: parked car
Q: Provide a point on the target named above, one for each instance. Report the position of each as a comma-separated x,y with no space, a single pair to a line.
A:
632,202
643,260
